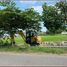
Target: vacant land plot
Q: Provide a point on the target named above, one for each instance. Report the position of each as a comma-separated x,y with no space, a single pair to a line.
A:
48,38
23,48
54,38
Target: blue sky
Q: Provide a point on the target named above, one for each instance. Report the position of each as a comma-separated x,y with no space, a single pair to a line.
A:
37,5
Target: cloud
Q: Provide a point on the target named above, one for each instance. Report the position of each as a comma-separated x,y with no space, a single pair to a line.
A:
38,9
28,2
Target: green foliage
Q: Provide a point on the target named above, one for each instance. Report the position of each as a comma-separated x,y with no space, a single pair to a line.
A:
4,43
13,19
62,6
6,3
31,19
10,20
52,19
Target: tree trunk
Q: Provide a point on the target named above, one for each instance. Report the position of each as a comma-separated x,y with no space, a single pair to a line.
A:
12,39
22,35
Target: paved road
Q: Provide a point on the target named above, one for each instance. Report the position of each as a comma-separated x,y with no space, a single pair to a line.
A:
29,60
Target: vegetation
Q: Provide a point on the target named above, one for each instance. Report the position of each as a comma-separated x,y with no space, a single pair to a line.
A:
54,38
62,6
12,19
35,50
55,17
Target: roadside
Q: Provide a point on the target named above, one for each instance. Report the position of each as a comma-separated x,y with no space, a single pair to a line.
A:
31,54
23,59
34,50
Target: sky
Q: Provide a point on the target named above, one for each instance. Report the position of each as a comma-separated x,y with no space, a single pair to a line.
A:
36,4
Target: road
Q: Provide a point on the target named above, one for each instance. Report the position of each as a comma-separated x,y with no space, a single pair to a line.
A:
32,60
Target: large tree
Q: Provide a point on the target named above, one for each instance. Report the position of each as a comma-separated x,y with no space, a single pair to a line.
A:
62,6
13,19
52,19
10,21
10,18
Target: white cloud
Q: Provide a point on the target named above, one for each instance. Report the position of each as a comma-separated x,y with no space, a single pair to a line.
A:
38,9
28,2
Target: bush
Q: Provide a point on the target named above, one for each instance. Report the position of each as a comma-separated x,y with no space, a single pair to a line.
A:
4,44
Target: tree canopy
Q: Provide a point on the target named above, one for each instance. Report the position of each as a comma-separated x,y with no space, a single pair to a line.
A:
62,6
31,19
53,19
12,19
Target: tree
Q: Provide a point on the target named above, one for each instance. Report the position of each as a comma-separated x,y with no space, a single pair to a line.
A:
13,19
10,22
10,19
52,19
62,6
6,2
31,19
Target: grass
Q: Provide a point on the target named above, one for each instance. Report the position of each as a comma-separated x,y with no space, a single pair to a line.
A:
54,38
48,38
27,49
35,50
19,40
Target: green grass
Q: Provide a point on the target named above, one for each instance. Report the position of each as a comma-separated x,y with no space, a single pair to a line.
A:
54,38
27,49
49,50
19,40
49,38
35,50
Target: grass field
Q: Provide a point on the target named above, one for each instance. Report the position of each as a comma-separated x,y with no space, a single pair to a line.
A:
35,50
23,48
49,38
54,38
19,40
